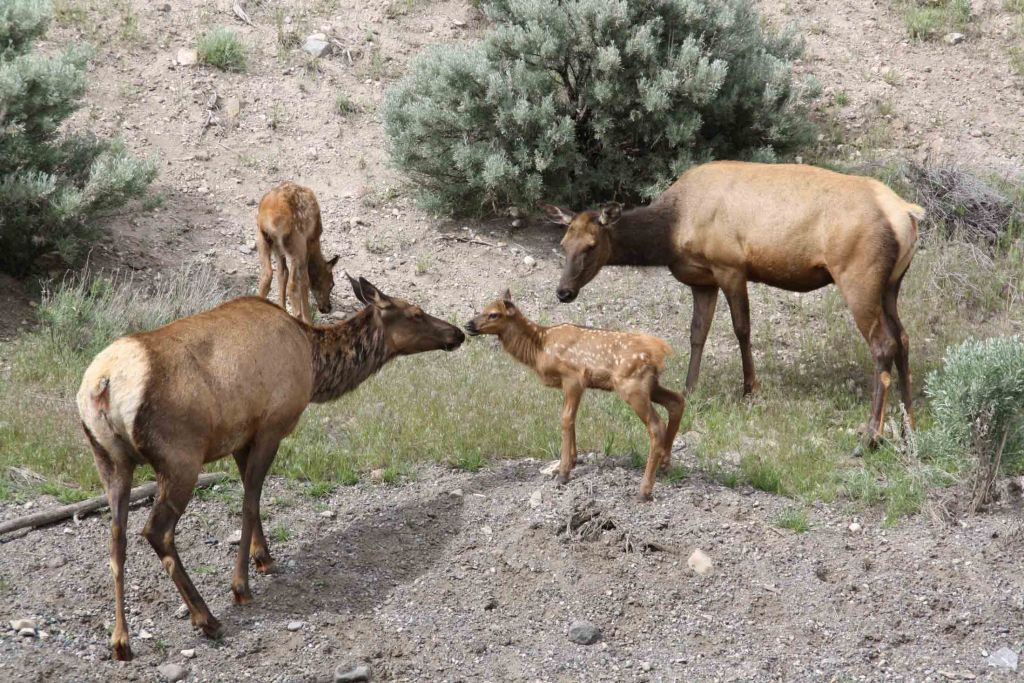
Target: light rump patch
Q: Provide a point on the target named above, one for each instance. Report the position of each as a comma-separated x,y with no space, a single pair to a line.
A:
575,359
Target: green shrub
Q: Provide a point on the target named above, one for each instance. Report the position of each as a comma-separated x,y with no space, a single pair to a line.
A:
586,99
978,405
53,183
223,49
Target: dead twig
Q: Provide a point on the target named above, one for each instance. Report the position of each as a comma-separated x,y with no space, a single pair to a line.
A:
240,13
467,240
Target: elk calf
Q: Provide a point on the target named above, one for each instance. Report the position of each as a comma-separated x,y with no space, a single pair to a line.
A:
234,379
577,358
288,226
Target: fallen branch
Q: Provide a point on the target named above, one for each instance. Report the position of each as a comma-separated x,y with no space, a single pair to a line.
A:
85,507
467,240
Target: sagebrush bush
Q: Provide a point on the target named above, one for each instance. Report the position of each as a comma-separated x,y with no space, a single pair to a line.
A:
589,99
53,184
978,406
222,48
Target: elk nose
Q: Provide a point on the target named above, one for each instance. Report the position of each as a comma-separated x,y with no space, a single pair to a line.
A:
457,340
565,295
471,327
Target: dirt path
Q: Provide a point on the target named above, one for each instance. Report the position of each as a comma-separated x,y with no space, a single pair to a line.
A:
456,576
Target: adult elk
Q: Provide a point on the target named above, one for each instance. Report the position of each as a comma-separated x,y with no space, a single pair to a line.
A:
726,223
288,227
234,379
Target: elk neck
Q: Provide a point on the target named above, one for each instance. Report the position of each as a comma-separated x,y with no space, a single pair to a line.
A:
346,354
523,339
643,236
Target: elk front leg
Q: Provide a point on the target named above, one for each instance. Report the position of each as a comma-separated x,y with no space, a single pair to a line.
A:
572,392
259,550
735,289
257,463
704,301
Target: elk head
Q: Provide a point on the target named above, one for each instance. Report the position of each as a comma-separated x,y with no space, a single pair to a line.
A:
407,329
494,318
321,281
587,244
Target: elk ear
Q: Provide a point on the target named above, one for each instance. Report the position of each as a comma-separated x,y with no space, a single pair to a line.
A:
357,289
333,262
556,215
373,295
506,298
610,213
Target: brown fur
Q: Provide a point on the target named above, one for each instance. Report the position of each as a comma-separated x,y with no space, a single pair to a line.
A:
288,227
576,358
727,223
232,380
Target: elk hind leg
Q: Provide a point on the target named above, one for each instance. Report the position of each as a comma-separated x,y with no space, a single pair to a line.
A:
263,248
637,393
902,347
675,404
865,302
173,495
573,393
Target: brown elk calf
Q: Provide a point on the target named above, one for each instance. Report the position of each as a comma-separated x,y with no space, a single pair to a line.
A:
577,358
727,223
234,379
288,227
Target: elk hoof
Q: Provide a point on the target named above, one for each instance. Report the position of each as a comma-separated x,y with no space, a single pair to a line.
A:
120,650
561,479
644,497
243,596
265,565
212,629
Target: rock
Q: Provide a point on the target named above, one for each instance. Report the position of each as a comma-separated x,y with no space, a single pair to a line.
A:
235,537
549,469
172,672
187,57
584,633
295,625
344,674
1003,658
317,45
27,632
517,223
354,221
490,604
163,7
19,624
245,249
182,611
232,107
188,654
699,562
328,514
377,474
854,527
529,262
954,38
144,634
645,666
56,561
536,498
455,493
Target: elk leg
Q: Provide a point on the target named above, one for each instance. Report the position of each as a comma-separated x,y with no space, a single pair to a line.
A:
704,301
258,460
572,392
739,307
902,346
865,302
282,280
637,394
258,547
266,269
172,497
117,480
675,404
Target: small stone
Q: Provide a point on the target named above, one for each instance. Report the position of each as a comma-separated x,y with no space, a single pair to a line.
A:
549,469
235,537
295,625
954,38
187,57
246,249
317,45
529,261
56,561
354,221
377,474
163,7
19,624
1003,658
344,674
27,632
144,634
536,498
645,666
182,611
455,493
699,562
188,654
518,222
172,672
490,604
584,633
854,527
232,107
328,514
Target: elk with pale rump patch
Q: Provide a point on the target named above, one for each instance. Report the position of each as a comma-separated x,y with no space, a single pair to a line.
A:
576,358
288,227
234,379
726,223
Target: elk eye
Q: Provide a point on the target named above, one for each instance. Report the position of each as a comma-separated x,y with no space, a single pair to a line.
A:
492,316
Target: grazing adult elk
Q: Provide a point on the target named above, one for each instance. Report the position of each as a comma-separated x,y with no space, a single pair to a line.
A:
234,379
726,223
288,226
576,358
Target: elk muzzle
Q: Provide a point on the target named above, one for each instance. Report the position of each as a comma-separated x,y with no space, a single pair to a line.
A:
566,295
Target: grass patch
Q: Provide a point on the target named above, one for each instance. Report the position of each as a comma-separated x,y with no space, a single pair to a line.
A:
343,105
931,19
223,49
280,533
794,519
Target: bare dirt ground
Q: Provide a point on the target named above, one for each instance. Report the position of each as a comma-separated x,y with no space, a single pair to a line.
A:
426,585
461,577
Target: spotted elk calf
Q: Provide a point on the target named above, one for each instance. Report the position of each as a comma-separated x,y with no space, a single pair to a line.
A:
575,358
233,380
288,227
